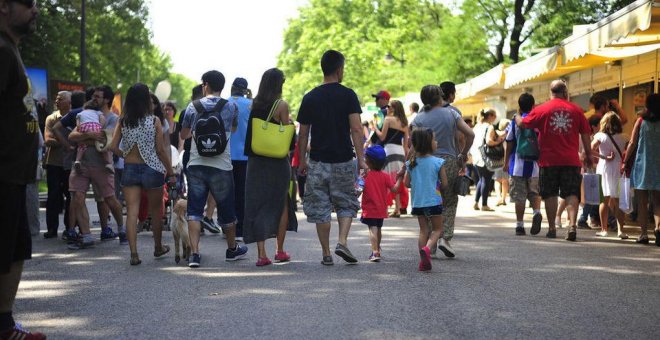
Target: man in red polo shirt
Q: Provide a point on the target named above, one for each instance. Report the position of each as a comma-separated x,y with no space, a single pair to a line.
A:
561,125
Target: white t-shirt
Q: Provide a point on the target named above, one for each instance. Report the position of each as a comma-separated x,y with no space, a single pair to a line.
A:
89,116
479,132
228,115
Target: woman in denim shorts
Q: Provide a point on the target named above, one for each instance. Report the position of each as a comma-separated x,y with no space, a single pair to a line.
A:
146,162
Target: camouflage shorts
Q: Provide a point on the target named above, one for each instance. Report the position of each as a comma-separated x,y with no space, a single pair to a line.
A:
330,185
522,189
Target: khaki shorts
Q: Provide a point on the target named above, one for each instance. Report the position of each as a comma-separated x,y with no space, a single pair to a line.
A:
98,176
521,188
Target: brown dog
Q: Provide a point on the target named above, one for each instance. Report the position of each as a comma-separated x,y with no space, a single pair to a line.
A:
180,230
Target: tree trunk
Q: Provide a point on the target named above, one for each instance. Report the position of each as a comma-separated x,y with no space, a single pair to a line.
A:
520,12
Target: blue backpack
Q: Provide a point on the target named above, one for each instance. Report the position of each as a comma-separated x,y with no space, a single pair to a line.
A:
527,144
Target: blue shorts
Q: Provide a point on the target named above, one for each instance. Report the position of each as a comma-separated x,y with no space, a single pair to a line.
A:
372,222
427,211
141,175
220,183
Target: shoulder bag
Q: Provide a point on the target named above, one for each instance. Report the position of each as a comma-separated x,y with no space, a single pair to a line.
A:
493,155
271,139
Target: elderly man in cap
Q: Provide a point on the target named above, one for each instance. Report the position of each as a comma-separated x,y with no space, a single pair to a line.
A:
239,89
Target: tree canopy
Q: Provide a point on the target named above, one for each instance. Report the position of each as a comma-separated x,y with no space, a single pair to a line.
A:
428,41
118,43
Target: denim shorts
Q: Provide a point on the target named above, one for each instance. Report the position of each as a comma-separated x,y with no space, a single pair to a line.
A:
220,183
328,186
141,175
427,211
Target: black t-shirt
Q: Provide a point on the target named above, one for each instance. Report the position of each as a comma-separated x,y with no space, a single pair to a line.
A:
19,139
326,109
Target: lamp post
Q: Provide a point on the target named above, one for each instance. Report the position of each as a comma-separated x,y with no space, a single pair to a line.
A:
83,49
389,57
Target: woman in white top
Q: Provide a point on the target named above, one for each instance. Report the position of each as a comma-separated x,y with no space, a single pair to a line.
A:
146,163
609,144
483,134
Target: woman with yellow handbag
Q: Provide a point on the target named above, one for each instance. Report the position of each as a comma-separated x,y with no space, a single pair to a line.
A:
268,207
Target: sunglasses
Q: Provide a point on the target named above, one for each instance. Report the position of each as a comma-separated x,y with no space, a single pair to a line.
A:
26,3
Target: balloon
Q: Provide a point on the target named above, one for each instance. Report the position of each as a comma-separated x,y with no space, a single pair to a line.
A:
163,90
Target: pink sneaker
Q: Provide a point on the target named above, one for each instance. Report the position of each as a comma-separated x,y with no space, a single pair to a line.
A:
264,261
425,259
282,256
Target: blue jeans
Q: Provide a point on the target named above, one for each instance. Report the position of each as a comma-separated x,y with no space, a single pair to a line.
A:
220,183
484,185
589,210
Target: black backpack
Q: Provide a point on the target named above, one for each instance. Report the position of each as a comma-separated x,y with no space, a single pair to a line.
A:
210,136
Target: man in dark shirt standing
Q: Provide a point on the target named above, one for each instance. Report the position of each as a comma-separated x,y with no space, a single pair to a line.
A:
331,112
18,151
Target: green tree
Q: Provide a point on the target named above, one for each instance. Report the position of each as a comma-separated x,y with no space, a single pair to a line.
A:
118,44
421,35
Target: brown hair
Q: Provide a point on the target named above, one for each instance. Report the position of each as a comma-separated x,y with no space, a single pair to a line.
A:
399,112
485,113
422,142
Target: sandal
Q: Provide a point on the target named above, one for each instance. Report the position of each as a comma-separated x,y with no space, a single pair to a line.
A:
642,239
135,260
394,214
164,249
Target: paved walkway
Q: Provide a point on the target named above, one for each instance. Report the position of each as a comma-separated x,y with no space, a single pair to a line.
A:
498,286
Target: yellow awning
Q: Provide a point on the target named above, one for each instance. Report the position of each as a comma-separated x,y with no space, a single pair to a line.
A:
531,68
629,26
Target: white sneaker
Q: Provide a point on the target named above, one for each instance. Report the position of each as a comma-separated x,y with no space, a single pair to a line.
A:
558,223
446,248
601,234
623,236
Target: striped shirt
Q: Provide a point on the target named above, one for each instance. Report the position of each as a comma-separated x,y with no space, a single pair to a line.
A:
518,166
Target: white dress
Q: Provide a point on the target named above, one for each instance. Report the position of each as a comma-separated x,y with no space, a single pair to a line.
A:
610,170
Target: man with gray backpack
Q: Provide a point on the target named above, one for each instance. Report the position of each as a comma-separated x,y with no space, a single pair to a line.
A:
520,155
209,121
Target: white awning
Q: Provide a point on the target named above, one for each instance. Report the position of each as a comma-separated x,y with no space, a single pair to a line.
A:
636,17
483,84
532,67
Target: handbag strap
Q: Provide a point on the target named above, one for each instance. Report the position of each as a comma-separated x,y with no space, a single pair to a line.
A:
615,145
272,110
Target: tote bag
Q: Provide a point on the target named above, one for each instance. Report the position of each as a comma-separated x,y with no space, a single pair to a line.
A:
625,195
270,139
591,188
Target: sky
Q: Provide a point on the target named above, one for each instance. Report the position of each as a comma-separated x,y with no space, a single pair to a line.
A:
239,38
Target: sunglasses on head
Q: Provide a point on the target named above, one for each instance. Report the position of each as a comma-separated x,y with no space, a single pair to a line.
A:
26,3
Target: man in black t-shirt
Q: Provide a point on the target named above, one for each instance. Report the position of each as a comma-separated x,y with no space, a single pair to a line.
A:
19,133
331,113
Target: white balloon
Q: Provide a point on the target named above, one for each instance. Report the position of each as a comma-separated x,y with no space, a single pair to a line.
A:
163,90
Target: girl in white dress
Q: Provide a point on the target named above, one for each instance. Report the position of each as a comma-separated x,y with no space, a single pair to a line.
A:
609,145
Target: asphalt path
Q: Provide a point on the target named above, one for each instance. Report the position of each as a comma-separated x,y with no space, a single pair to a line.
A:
498,286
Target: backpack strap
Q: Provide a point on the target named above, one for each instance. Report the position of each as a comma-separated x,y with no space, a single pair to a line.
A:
219,105
198,106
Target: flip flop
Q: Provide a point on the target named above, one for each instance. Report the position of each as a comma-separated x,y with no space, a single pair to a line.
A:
164,249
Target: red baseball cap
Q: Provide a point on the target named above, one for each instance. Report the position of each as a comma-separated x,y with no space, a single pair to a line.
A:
382,94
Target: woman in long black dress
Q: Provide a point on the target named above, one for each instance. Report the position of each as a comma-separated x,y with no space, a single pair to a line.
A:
268,209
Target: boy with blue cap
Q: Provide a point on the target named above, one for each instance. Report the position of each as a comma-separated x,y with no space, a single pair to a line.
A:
377,184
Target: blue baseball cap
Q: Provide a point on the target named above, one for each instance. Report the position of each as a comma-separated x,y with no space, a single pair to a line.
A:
376,153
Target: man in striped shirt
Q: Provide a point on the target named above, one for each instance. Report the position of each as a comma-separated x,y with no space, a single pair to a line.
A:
524,173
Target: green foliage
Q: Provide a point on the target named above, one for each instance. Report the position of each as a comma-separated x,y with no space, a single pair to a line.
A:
421,33
118,43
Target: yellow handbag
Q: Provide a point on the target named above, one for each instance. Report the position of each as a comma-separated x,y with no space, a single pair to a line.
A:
270,139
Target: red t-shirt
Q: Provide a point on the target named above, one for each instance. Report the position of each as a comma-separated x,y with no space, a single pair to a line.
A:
560,124
377,185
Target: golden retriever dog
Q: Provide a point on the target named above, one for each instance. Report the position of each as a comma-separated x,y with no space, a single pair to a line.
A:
180,230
